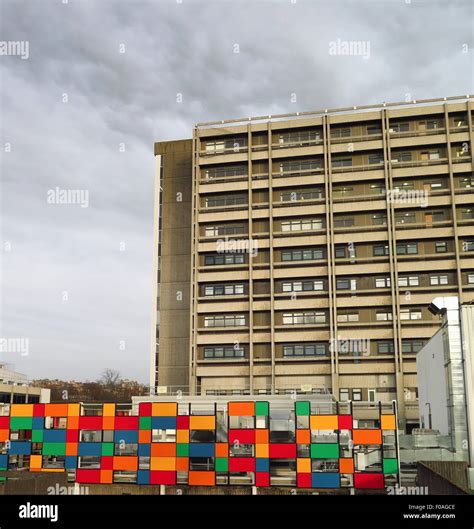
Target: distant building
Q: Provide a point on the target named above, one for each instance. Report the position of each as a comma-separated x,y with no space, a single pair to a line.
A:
15,389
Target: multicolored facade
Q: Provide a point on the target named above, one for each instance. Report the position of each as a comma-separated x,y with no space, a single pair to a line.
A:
169,443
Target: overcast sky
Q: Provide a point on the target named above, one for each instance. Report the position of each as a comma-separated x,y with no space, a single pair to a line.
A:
101,84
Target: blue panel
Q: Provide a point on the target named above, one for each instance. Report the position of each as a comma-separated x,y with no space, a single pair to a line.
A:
89,449
263,465
38,423
126,436
201,450
20,448
71,462
143,477
325,480
3,461
54,436
144,450
163,423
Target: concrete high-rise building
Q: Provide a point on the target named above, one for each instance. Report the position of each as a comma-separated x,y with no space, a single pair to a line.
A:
300,252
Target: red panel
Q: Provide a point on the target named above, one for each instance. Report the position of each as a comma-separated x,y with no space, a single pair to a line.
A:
283,450
303,481
38,410
344,422
72,436
368,481
262,479
4,423
90,423
126,423
84,475
144,409
242,436
241,464
182,422
162,477
106,463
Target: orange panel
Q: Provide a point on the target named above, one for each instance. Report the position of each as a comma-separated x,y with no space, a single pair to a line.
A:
261,437
222,450
323,422
387,422
182,464
106,476
367,437
4,435
73,410
163,450
73,422
71,449
261,451
125,463
108,423
56,410
303,437
164,409
202,422
182,436
144,436
241,409
162,463
108,410
36,461
303,465
21,410
202,478
346,466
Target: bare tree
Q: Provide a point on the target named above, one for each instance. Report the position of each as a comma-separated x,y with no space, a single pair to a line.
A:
110,377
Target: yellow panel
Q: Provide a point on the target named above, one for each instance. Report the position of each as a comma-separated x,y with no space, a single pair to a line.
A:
164,409
202,422
387,422
261,451
21,410
36,461
182,436
303,465
323,422
74,410
163,463
108,410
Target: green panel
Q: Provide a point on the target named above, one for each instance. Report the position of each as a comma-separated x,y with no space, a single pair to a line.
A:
325,451
222,464
261,409
37,436
302,408
107,449
21,423
390,466
54,449
182,450
145,423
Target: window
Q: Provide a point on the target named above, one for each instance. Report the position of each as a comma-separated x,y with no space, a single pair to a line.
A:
377,189
357,394
375,158
341,132
225,320
409,281
379,220
221,145
302,225
295,196
342,162
400,127
385,347
410,314
436,184
342,191
441,247
408,248
466,183
346,284
439,280
404,186
348,317
470,279
303,254
224,259
304,349
303,318
227,171
374,129
224,229
224,351
468,246
412,346
467,214
300,165
343,394
217,201
382,315
302,286
224,290
405,218
382,282
341,222
435,216
402,157
380,249
299,136
430,155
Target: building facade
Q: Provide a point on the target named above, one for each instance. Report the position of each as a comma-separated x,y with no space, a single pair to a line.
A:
316,242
